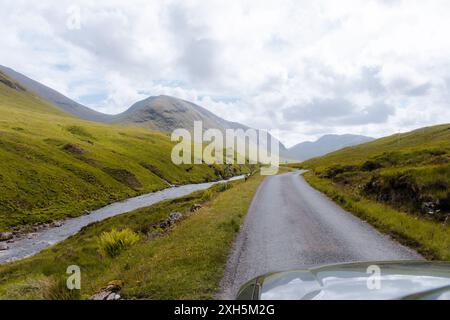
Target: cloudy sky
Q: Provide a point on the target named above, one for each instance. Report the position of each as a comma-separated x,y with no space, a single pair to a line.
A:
306,68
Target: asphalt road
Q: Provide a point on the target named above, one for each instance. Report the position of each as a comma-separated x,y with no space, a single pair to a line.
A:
290,225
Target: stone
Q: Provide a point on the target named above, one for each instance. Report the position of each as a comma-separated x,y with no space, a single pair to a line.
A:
429,208
102,295
175,216
111,296
110,292
195,207
165,224
56,224
5,236
3,247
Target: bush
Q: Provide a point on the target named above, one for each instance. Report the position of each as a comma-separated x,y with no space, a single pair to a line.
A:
114,242
221,187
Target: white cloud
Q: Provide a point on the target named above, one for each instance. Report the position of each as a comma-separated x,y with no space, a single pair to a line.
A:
304,67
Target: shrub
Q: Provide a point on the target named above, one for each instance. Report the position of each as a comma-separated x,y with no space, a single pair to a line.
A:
114,242
221,187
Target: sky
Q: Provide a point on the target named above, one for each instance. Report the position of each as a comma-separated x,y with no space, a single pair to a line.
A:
303,68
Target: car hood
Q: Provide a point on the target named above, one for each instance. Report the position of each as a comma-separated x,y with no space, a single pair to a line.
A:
367,280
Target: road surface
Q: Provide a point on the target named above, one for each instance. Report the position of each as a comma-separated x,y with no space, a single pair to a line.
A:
290,225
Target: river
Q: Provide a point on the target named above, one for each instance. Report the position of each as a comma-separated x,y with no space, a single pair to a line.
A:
31,244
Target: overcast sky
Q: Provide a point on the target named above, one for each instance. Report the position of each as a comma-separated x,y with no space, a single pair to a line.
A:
306,68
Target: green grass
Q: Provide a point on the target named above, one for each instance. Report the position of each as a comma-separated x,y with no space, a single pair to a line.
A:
392,182
54,166
112,243
429,238
185,262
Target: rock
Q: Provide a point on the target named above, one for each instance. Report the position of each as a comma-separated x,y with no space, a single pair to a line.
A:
5,236
429,207
3,247
110,292
195,207
115,285
111,296
56,224
10,241
102,295
31,235
165,224
175,216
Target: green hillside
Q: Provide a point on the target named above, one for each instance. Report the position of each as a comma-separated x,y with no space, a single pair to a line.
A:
410,171
400,183
53,165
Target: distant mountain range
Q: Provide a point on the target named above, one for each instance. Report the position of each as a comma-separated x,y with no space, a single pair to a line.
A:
326,144
164,113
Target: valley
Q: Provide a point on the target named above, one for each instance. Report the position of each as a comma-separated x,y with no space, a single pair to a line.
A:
167,231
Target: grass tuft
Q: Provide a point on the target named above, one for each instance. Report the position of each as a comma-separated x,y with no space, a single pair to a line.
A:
114,242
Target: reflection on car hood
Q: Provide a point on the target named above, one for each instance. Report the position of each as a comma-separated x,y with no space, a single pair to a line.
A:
395,280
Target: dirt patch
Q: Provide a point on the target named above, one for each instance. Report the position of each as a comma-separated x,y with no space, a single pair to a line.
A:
11,84
124,176
74,149
153,169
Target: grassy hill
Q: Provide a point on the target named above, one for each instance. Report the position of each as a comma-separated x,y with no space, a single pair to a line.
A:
53,165
400,183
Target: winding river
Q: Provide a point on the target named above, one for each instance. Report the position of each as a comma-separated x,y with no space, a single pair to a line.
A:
31,244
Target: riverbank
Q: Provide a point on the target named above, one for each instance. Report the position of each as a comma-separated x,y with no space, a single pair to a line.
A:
26,244
183,261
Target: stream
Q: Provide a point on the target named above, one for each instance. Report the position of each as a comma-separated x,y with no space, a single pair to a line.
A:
30,244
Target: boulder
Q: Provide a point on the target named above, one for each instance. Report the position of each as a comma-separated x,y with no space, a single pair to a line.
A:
5,236
3,247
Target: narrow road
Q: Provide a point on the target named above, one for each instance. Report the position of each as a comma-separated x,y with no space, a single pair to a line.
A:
291,225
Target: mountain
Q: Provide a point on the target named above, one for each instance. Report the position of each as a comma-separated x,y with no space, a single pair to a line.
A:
54,97
159,113
165,113
326,144
54,165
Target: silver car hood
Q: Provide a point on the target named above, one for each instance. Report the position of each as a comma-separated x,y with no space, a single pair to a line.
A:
395,280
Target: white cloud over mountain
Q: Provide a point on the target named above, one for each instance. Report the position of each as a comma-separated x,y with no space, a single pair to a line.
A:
303,67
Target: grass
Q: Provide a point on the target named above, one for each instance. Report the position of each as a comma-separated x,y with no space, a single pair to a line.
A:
114,242
400,184
429,238
54,166
185,261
